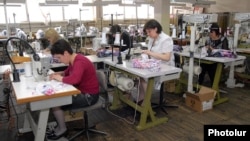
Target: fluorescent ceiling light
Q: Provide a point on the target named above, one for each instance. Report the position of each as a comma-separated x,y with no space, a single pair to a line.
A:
61,1
143,2
130,4
45,4
206,2
103,3
201,5
12,1
11,5
177,4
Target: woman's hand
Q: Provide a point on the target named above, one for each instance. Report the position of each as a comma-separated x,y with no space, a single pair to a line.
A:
148,52
56,76
209,47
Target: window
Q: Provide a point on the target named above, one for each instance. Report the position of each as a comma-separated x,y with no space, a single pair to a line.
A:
19,12
116,10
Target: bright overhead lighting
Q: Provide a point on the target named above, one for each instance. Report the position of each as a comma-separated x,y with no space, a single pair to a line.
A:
45,4
61,1
201,5
103,3
12,1
177,4
205,2
11,5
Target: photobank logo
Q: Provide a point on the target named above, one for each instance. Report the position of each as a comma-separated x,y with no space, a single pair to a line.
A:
239,132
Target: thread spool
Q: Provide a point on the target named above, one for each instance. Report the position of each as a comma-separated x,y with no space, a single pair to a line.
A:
174,33
117,39
27,69
196,69
104,39
183,36
96,43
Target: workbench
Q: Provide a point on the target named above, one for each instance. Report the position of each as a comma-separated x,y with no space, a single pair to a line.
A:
231,62
147,118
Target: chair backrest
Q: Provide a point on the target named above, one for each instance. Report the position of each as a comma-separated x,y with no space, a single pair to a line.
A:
103,85
102,101
102,80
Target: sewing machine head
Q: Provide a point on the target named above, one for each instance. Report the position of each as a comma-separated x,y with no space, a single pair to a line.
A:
81,30
200,18
42,67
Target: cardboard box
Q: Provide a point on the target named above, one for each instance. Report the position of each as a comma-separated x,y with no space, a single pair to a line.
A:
169,86
201,101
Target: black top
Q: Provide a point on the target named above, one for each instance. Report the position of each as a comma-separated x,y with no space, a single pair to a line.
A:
126,40
221,43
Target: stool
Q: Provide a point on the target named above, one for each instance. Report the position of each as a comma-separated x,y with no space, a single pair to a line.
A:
162,104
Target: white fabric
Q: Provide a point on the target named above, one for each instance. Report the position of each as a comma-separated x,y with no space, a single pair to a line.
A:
163,44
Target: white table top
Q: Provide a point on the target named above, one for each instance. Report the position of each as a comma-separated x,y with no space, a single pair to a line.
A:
215,59
95,59
144,73
243,50
27,90
85,35
55,65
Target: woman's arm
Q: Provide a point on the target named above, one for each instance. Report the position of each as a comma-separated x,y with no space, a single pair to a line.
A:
165,53
57,76
161,56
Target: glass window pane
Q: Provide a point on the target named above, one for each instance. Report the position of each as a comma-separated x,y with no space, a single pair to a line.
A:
130,12
116,10
17,12
151,12
142,11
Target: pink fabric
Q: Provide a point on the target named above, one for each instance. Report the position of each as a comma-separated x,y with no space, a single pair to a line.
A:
150,64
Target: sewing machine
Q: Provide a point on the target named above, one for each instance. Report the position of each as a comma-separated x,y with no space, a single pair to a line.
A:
41,68
196,19
242,45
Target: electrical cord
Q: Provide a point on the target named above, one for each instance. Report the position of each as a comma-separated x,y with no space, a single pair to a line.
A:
8,91
137,98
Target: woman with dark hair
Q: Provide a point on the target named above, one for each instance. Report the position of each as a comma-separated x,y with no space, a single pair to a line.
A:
124,36
160,47
215,41
79,73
